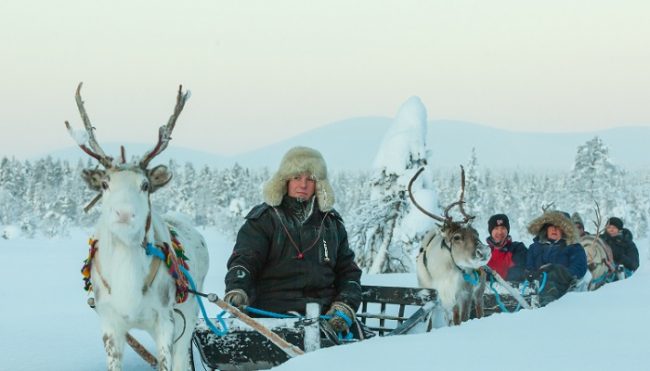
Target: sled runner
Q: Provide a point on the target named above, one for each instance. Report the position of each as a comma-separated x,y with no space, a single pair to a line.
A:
384,311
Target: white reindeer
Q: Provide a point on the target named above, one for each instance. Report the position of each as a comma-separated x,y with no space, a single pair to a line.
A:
449,261
133,289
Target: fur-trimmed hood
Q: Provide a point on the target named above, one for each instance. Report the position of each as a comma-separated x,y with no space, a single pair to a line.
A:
557,218
296,161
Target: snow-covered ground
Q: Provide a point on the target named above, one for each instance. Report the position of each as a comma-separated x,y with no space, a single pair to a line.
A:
45,323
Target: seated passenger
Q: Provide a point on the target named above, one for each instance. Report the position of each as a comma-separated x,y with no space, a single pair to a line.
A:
508,256
557,255
623,247
580,225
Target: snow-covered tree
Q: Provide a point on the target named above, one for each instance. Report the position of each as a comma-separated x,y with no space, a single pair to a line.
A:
594,177
388,231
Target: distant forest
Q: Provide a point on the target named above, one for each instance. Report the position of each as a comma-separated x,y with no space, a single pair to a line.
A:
47,196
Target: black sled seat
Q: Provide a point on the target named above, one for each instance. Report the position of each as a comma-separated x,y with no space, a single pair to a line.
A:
384,310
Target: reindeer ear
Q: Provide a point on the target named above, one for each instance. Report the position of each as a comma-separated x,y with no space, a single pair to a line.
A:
94,178
159,176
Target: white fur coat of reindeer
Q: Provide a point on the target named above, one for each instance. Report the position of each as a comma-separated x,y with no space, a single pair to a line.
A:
133,289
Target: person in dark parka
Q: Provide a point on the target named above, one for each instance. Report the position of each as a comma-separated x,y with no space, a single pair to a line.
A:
293,248
555,251
621,242
508,257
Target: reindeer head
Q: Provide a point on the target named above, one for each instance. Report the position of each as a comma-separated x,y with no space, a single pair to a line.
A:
459,237
125,188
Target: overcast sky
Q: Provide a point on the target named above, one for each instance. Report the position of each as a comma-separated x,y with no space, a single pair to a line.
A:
262,71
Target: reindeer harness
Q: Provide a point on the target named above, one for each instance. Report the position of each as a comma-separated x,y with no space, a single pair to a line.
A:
173,257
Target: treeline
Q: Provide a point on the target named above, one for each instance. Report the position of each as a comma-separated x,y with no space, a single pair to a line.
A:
47,196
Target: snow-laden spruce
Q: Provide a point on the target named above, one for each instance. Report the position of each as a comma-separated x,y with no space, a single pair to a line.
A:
387,230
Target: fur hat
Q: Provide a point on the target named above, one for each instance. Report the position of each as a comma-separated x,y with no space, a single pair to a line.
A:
498,220
616,222
300,160
557,218
577,219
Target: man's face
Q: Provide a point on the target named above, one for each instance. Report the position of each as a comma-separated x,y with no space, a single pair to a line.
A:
499,233
301,186
612,230
553,233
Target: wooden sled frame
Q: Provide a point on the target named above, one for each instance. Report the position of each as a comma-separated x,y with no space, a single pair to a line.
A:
385,310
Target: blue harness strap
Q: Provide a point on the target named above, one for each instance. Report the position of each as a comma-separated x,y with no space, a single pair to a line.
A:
153,251
471,279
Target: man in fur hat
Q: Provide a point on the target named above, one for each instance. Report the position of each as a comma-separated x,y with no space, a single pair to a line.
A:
624,249
293,248
555,252
508,256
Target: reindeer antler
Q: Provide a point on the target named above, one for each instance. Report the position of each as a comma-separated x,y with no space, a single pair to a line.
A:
461,201
425,212
95,150
599,218
447,218
547,206
165,131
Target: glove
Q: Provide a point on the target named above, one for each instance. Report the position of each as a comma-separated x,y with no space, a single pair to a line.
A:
236,298
342,316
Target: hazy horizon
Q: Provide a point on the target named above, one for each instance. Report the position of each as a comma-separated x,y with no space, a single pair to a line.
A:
261,72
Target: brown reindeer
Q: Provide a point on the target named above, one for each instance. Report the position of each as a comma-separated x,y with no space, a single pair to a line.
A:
600,259
449,261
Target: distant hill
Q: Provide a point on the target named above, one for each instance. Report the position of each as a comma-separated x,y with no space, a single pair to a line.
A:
353,143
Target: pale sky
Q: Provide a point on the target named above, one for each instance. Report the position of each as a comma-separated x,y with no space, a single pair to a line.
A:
262,71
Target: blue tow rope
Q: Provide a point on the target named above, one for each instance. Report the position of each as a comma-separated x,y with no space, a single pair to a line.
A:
270,314
152,250
543,284
502,306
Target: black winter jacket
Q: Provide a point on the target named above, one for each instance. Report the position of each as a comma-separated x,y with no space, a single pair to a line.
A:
623,248
279,278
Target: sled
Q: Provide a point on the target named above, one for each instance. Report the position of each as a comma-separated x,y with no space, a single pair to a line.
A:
384,310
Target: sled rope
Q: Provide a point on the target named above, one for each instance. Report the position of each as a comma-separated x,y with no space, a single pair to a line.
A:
543,284
502,306
270,314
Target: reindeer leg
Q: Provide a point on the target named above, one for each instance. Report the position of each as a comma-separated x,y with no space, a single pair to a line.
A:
186,321
114,345
164,339
456,315
478,307
478,295
464,313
